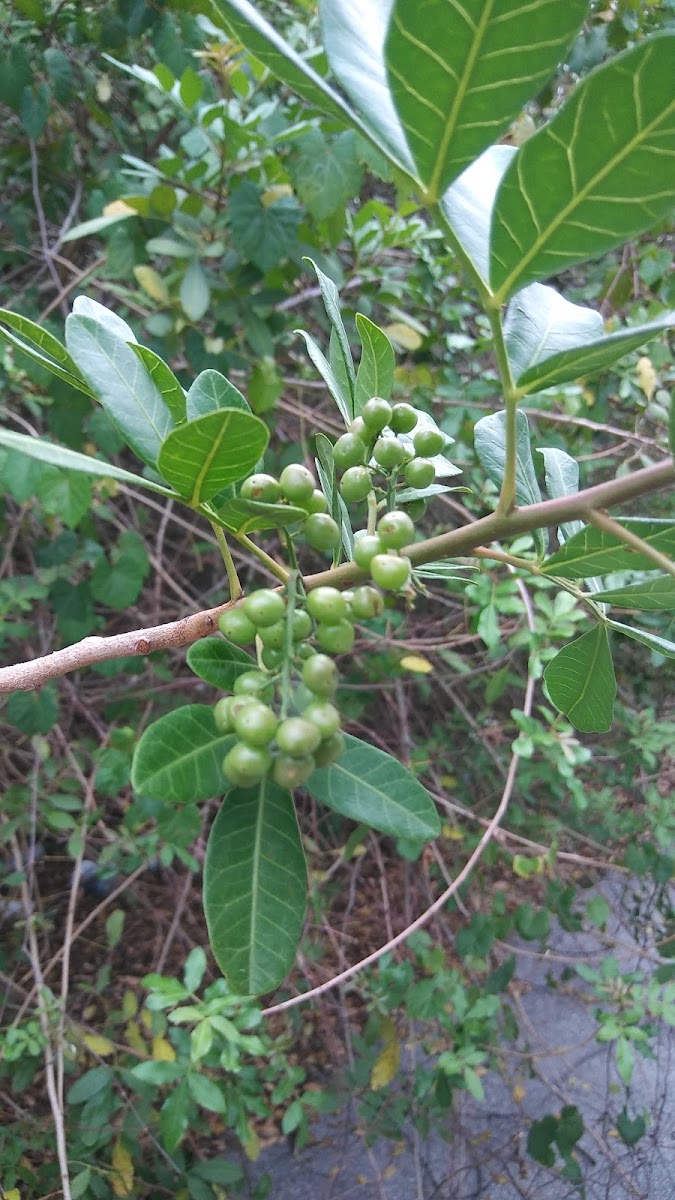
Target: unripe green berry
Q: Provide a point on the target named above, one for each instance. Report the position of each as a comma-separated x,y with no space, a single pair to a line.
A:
297,736
292,772
317,502
297,483
256,724
336,638
390,571
366,547
321,531
416,509
403,418
301,626
304,651
273,637
389,453
237,627
222,715
355,484
271,659
320,675
419,473
265,488
325,716
246,765
329,750
367,603
358,426
326,604
349,451
264,607
428,442
376,413
253,683
395,529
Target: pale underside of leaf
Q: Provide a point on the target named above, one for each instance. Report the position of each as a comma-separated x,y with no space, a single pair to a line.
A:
72,460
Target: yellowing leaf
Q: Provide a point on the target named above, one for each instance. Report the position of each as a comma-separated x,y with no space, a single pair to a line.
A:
252,1145
386,1065
152,283
452,833
12,1194
518,1093
274,193
162,1050
403,335
118,208
146,1019
129,1004
134,1037
123,1170
417,663
98,1045
524,866
646,376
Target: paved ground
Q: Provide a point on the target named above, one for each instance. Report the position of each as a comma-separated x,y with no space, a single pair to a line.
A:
485,1157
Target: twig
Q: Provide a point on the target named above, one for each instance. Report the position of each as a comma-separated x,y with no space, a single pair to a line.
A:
42,224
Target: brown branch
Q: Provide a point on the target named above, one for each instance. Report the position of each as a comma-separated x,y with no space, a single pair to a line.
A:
453,544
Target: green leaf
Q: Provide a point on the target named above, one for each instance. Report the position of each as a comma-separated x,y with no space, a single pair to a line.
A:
630,1129
607,161
121,383
247,25
372,787
550,341
51,354
344,402
594,552
255,887
118,583
65,494
164,380
375,376
60,72
206,1092
72,460
654,595
651,640
174,1116
90,1084
580,681
201,457
562,479
194,293
490,441
331,301
325,173
354,36
459,78
265,234
34,109
83,306
211,391
179,757
33,712
218,662
469,203
250,516
97,225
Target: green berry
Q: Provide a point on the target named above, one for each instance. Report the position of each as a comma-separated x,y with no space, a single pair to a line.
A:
403,418
253,683
355,484
304,651
321,531
419,473
297,736
246,765
222,715
261,487
348,451
389,453
256,723
273,637
329,750
358,426
292,772
428,442
416,509
301,627
237,627
336,638
366,547
367,603
317,502
390,571
326,604
271,659
264,607
325,716
297,483
320,675
395,529
376,413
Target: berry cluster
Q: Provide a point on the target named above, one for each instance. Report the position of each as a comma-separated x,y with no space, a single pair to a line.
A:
283,714
297,486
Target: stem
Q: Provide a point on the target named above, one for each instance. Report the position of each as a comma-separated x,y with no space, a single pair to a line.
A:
507,496
602,521
291,595
276,568
372,512
232,577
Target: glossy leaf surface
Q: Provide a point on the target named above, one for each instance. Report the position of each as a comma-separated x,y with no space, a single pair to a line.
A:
653,641
594,552
580,681
654,595
202,456
218,662
255,887
40,345
164,380
211,391
179,757
375,375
